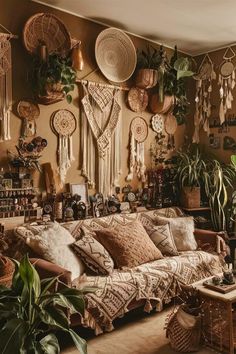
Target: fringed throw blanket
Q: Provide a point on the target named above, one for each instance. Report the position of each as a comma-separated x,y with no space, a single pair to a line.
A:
158,281
5,87
101,137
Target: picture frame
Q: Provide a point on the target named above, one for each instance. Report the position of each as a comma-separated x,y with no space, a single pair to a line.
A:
81,190
7,183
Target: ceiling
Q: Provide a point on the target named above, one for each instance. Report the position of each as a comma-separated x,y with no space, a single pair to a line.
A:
196,26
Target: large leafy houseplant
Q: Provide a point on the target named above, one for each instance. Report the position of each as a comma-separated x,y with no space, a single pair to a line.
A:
30,313
190,167
54,74
217,178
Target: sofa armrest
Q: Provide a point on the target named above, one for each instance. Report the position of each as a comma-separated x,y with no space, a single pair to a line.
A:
47,269
208,240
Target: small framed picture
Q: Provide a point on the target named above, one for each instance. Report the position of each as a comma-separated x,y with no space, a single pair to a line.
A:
7,183
81,190
26,183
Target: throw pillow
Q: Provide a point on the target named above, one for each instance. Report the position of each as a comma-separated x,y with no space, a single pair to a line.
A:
162,237
182,229
51,242
129,245
93,254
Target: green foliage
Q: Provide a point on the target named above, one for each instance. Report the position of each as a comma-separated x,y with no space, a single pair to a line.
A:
190,168
29,313
149,59
56,70
217,178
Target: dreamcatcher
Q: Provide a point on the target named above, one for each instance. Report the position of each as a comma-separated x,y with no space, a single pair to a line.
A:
204,78
64,124
226,82
138,134
5,86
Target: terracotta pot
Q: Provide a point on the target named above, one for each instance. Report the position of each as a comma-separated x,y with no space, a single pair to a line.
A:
146,78
190,197
156,106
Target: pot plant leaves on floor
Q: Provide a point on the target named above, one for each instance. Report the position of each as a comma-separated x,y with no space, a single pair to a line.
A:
30,313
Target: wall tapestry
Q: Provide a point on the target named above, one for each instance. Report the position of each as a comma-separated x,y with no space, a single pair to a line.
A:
64,124
101,136
5,86
203,79
138,134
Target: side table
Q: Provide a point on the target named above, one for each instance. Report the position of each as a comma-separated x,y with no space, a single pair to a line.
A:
202,216
218,318
232,246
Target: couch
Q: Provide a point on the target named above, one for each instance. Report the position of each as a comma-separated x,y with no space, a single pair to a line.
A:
150,285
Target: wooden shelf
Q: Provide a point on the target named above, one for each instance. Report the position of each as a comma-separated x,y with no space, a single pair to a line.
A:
196,209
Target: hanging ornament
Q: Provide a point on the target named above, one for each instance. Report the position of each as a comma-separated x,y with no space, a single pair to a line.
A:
204,78
28,112
5,86
64,124
170,129
226,82
77,57
157,124
138,134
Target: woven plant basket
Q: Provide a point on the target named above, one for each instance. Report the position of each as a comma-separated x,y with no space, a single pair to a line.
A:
190,197
53,94
156,106
146,78
184,331
7,269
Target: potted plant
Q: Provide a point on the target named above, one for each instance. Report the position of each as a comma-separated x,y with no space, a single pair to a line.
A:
217,177
52,78
148,63
190,167
30,313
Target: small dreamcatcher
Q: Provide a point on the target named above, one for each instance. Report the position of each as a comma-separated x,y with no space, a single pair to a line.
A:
138,134
226,82
204,78
157,124
64,124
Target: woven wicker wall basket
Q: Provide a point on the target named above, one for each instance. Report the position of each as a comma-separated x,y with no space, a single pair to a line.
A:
46,28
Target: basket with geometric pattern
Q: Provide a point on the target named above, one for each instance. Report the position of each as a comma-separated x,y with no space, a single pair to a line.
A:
184,331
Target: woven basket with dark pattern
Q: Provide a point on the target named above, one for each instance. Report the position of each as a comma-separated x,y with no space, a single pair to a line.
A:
182,339
7,269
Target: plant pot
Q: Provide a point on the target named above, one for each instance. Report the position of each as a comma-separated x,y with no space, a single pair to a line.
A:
190,197
146,78
156,106
53,94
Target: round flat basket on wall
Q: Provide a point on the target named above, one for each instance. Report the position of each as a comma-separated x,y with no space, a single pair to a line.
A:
115,55
46,28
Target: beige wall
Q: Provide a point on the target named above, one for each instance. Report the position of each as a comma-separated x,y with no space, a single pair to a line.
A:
224,155
13,15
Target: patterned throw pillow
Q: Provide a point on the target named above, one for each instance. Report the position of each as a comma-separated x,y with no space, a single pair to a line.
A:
51,242
93,254
129,245
182,229
162,237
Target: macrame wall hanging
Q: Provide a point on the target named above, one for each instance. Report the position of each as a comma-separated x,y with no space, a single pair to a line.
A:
138,134
5,85
64,124
226,82
204,78
101,136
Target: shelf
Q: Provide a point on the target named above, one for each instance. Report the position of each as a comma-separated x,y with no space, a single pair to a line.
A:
196,209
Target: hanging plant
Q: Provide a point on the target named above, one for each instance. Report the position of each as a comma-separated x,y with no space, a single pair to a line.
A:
53,77
174,84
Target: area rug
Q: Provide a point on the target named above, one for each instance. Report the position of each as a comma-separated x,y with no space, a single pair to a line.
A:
136,333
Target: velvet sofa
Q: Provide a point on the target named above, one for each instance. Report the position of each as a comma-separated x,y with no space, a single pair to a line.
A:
150,285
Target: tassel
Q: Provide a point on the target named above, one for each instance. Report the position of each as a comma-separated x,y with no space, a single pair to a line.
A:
148,306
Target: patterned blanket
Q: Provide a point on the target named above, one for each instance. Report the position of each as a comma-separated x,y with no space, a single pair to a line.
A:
158,281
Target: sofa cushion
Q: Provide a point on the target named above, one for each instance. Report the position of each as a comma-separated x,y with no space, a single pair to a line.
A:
162,237
93,254
129,245
182,229
51,242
